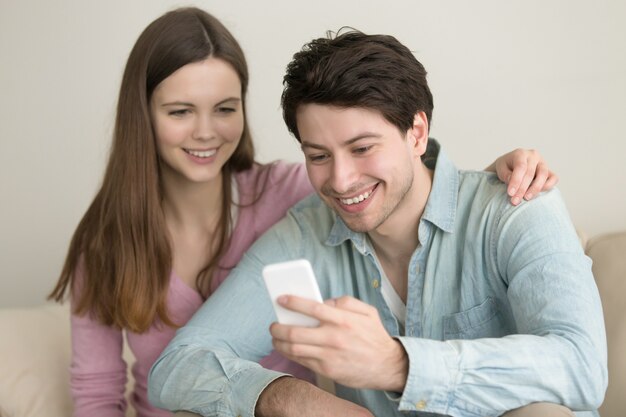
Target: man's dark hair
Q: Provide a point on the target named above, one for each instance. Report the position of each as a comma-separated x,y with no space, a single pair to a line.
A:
353,69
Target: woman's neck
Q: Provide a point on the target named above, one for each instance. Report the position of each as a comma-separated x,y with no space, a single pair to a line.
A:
187,204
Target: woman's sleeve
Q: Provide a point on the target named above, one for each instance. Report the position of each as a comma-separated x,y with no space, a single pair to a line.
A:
97,370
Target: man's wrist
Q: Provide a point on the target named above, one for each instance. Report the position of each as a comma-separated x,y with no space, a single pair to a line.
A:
274,398
398,368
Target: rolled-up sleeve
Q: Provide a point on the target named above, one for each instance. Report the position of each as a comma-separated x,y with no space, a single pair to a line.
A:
210,367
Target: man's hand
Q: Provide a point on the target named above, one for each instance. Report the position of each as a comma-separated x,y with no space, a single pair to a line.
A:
292,397
525,172
350,345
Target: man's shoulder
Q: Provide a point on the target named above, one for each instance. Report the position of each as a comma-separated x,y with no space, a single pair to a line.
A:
486,181
482,188
483,194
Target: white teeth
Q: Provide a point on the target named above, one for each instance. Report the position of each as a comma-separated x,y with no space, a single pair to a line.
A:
201,154
354,200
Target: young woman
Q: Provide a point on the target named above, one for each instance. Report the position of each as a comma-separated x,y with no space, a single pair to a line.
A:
181,200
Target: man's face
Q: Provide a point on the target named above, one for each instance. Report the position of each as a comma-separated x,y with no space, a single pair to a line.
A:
358,162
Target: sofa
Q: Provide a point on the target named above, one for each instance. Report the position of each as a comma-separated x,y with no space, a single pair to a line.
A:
35,344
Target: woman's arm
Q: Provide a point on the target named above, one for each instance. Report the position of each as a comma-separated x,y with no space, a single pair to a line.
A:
97,370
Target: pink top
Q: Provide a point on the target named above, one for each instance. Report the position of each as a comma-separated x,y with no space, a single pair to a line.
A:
98,372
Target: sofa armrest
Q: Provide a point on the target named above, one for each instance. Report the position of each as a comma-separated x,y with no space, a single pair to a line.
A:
608,253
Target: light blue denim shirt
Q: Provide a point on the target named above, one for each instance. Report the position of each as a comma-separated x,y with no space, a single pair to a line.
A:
502,309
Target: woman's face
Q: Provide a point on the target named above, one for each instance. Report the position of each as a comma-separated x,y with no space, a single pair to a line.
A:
197,115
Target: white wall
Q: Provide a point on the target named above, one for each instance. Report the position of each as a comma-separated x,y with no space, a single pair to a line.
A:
544,74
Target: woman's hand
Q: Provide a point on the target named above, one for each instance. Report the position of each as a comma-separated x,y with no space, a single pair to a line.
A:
525,172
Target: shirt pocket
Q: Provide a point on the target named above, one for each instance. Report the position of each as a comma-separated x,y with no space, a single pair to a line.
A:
482,320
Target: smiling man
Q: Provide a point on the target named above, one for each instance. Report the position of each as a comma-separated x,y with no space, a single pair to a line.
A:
441,297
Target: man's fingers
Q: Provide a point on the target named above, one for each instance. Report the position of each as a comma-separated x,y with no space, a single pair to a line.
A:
298,351
329,311
353,305
320,311
297,334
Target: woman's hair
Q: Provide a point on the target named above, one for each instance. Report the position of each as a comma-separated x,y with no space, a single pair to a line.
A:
353,69
120,248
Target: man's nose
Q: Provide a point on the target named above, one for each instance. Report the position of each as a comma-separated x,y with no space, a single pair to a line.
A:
344,174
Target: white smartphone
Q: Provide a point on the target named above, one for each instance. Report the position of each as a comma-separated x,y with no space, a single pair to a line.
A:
292,278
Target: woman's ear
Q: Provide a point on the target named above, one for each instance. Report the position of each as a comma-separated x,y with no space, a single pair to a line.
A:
418,133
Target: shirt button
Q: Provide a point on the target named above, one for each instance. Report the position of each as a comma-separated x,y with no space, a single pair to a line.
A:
375,283
420,405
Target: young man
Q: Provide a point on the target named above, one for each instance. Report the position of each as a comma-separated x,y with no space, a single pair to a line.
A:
442,298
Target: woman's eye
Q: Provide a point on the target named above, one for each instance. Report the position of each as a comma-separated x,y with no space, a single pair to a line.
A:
180,112
317,158
226,109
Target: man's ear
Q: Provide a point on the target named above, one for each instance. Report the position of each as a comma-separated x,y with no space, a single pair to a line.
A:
418,133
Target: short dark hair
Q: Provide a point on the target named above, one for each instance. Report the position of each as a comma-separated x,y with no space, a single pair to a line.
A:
353,69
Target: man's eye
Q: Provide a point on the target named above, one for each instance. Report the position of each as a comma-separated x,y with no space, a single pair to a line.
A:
362,149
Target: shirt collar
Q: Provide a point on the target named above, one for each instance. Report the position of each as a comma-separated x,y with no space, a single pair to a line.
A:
440,207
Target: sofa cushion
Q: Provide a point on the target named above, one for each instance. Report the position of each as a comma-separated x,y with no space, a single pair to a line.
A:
35,352
608,253
35,355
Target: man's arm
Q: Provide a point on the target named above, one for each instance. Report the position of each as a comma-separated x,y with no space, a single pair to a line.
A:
559,352
210,368
291,397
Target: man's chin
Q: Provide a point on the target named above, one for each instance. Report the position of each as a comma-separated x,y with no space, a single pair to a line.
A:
355,222
356,225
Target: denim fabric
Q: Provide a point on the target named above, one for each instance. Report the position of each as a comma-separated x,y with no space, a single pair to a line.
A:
502,309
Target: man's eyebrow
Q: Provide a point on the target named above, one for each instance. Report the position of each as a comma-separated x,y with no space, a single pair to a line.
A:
360,136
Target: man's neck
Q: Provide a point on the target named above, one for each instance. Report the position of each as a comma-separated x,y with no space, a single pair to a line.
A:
397,238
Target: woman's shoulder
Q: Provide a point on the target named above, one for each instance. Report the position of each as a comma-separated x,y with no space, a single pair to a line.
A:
275,180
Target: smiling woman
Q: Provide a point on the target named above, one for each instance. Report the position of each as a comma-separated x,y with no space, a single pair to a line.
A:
198,121
181,200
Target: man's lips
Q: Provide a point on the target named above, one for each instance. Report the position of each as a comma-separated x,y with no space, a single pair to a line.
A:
356,198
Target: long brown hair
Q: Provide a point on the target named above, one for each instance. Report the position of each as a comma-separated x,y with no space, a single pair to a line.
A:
120,246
